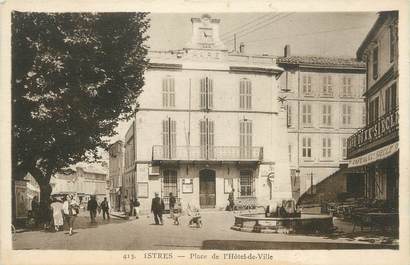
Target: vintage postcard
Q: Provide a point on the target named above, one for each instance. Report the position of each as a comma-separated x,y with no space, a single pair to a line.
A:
191,132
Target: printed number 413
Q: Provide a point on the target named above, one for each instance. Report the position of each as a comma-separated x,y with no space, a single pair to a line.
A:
128,256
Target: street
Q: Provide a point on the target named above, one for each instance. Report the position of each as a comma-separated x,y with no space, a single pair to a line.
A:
140,234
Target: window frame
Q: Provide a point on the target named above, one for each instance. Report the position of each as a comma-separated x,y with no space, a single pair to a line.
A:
327,153
346,115
327,115
168,92
307,148
307,115
375,62
245,94
249,185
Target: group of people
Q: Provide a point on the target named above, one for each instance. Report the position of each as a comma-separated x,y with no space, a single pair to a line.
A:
175,211
131,207
93,206
65,210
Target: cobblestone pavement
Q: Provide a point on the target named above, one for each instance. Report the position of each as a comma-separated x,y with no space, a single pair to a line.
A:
139,234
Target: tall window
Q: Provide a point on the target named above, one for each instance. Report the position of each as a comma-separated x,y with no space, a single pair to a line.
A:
169,182
245,138
364,115
392,34
347,87
326,147
307,114
247,184
373,110
168,92
306,147
390,98
245,94
346,114
169,138
307,85
375,62
327,115
363,86
327,89
206,93
206,129
344,147
289,113
290,152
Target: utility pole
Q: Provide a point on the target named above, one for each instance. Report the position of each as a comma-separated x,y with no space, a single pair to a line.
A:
311,183
234,42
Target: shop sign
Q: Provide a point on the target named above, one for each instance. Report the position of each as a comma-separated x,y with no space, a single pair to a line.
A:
374,156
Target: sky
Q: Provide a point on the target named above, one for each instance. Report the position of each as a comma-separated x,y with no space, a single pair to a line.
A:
324,34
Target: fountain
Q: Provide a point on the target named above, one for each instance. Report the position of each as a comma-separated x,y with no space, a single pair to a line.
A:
285,218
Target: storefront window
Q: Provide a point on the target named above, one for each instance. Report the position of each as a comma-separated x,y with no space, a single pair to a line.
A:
246,183
169,182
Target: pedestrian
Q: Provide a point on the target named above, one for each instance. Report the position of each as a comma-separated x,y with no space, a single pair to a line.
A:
57,207
92,206
126,206
231,200
71,209
131,210
105,208
137,208
172,202
157,207
35,210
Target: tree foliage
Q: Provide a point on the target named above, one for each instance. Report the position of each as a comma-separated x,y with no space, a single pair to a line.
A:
74,77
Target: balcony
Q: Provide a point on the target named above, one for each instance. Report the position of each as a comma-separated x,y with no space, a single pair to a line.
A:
203,153
383,131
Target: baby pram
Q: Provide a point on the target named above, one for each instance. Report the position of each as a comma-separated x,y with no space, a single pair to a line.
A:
196,219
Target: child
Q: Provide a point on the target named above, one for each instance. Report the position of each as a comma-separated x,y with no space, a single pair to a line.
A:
195,217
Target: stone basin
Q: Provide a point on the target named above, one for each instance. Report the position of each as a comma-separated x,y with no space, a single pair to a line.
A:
305,224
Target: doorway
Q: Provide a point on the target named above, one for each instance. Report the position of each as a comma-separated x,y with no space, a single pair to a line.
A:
207,188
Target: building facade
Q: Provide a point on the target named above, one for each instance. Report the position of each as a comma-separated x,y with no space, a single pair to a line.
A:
325,105
115,173
84,181
209,122
373,150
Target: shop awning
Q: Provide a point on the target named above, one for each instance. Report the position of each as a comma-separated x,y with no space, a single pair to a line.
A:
374,156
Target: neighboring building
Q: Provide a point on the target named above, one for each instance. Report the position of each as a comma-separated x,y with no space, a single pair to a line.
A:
374,148
115,175
128,181
84,181
209,122
325,106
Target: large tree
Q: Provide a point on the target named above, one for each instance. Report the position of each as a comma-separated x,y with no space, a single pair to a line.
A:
74,77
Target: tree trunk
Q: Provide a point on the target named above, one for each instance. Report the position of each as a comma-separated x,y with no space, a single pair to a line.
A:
45,192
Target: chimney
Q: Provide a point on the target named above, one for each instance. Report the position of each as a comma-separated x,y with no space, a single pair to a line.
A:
242,47
287,50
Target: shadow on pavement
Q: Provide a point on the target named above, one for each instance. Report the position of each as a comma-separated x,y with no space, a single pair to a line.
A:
252,245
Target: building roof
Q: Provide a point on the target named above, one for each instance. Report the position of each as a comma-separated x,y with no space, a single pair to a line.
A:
373,31
322,61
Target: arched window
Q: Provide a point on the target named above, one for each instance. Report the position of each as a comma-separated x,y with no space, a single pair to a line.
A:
245,94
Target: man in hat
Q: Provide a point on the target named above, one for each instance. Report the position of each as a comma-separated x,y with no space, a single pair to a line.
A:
157,207
92,207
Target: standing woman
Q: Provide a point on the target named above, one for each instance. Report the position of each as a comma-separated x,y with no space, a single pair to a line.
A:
71,209
57,207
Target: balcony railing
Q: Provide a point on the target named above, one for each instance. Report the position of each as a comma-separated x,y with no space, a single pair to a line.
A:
207,153
381,128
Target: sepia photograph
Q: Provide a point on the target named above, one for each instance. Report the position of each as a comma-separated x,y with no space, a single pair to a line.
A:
224,131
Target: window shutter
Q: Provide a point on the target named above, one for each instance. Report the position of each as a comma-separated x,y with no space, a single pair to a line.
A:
304,85
165,137
173,137
171,92
241,94
202,138
203,93
210,93
210,139
248,94
309,111
164,93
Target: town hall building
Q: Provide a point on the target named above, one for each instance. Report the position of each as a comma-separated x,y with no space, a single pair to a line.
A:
209,123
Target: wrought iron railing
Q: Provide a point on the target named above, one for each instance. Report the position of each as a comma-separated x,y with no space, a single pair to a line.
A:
383,126
213,153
